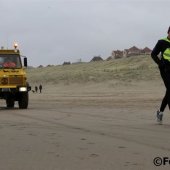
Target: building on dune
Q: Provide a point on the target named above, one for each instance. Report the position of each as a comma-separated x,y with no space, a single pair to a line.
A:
133,51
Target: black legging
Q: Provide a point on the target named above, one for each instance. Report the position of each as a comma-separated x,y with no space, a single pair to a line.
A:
164,102
165,74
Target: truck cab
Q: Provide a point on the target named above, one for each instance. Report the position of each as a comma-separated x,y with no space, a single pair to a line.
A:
13,81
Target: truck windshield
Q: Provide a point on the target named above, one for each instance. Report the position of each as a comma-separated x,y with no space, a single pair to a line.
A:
10,61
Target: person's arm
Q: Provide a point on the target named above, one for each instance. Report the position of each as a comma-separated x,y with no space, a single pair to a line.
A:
155,53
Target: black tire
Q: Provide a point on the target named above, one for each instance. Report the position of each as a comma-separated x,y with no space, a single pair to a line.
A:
23,100
10,102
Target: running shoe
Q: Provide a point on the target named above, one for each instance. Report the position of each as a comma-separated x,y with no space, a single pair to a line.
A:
159,116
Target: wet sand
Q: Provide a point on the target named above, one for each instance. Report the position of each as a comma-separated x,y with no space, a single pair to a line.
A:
86,127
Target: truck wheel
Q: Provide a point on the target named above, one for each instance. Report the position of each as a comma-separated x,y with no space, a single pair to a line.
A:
10,102
23,101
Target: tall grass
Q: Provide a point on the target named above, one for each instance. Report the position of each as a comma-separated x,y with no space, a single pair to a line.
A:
125,69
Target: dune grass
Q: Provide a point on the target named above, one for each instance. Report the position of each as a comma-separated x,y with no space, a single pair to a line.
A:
125,69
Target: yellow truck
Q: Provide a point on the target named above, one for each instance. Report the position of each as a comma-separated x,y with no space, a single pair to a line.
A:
13,80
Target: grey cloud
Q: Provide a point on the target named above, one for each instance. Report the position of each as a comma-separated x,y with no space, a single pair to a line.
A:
52,31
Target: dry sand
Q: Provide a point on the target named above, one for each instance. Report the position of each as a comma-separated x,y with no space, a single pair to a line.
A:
108,126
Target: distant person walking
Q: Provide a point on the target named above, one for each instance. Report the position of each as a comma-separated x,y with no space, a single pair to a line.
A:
40,88
163,47
36,89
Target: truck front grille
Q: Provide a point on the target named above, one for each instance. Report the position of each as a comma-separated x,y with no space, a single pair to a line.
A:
16,80
12,80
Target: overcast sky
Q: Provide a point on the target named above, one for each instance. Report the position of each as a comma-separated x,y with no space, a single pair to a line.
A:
54,31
